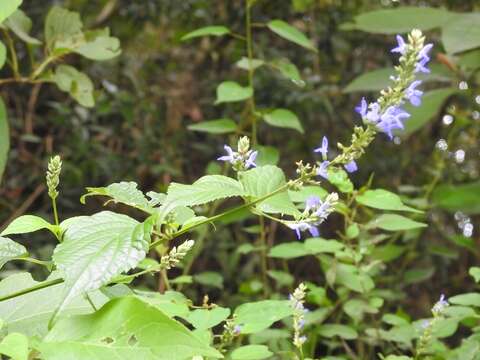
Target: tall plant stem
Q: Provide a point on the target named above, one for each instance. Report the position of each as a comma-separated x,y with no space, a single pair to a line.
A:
40,286
263,257
55,212
249,43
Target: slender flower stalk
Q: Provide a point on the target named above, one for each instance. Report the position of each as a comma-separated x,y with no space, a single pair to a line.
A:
53,180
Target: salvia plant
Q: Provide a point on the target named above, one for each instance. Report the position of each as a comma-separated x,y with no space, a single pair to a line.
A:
88,308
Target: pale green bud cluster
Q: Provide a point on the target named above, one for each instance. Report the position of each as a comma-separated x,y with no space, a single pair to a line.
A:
297,299
53,176
176,254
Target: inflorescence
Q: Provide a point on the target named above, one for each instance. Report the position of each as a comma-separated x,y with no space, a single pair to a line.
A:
297,299
243,158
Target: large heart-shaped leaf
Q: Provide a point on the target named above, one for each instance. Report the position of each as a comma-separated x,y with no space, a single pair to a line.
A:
124,329
97,248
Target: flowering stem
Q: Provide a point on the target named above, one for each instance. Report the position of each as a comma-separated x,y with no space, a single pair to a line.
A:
55,212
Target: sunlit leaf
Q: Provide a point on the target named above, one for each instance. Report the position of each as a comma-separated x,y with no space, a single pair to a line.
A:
9,250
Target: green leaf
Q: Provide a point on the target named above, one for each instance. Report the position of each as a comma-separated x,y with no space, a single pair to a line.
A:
288,70
251,352
383,200
282,278
220,126
29,313
418,275
63,29
217,30
340,179
283,118
465,197
263,180
7,8
230,91
356,308
319,245
9,250
20,24
124,192
97,248
4,138
474,272
99,45
332,330
124,329
26,224
76,83
245,64
387,252
15,345
257,316
394,222
204,319
402,19
286,31
431,105
206,189
462,33
171,303
3,57
267,155
469,299
289,250
306,191
209,278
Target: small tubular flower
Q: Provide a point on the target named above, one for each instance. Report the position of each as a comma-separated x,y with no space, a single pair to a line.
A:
323,149
414,95
243,158
351,166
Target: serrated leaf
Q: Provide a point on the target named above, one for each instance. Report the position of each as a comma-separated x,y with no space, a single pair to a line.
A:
251,352
4,138
257,316
281,28
7,8
15,346
220,126
20,24
217,30
9,250
204,319
124,329
394,222
206,189
29,313
384,200
230,91
97,248
26,224
125,192
263,180
462,33
401,19
76,83
283,118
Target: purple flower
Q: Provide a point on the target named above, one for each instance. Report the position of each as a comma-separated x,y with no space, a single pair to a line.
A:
423,54
230,157
373,115
302,226
401,48
351,166
323,149
392,119
413,95
420,66
312,202
322,169
301,324
250,162
237,329
362,107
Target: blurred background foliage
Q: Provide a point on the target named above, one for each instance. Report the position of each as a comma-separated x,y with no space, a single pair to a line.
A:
147,97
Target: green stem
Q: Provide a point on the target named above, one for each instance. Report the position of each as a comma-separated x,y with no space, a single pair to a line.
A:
263,256
34,261
90,302
40,286
251,101
13,53
55,212
42,67
163,273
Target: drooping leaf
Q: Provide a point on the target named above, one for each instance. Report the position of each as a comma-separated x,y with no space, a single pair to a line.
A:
26,224
125,192
257,316
4,138
206,189
251,352
97,248
462,33
332,330
384,200
30,313
230,91
289,71
15,346
464,197
283,118
220,126
76,83
431,105
9,250
20,24
287,31
204,319
395,222
7,8
401,19
217,30
124,329
263,180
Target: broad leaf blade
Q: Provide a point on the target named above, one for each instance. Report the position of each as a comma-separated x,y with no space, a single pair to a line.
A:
384,200
21,25
394,222
230,91
283,118
7,8
461,34
219,126
217,30
281,28
26,224
76,83
9,250
63,29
